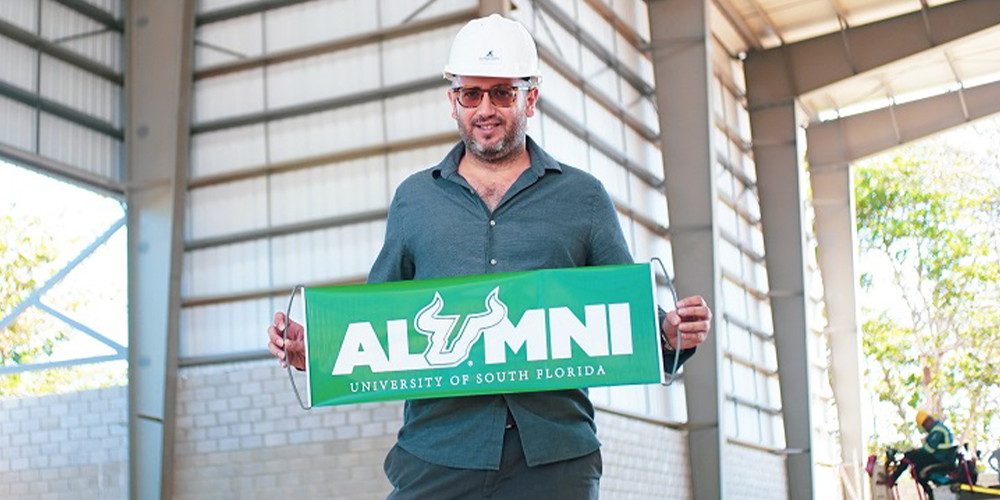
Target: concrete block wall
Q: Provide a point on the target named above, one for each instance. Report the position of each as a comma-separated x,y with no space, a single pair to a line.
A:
642,460
240,435
753,474
71,446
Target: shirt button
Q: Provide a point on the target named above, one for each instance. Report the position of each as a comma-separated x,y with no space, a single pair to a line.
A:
493,262
493,223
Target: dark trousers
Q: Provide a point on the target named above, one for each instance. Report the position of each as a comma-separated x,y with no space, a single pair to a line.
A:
415,479
920,459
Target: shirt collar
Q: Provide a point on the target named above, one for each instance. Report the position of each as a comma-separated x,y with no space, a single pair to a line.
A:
540,160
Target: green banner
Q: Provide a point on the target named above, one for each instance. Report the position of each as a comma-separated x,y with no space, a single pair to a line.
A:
500,333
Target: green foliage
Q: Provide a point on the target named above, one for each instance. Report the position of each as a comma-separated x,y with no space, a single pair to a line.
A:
65,379
929,214
23,256
27,259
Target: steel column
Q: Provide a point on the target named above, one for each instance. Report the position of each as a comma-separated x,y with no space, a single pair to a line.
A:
780,186
833,203
158,84
681,41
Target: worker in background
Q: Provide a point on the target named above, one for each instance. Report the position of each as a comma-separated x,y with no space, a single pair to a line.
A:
937,447
499,203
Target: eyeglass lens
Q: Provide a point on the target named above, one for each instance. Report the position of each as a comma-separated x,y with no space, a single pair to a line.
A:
502,96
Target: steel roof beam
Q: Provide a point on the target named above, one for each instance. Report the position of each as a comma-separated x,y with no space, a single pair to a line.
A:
798,68
731,14
851,138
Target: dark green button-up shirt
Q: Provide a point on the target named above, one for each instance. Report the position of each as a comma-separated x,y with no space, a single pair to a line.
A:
553,216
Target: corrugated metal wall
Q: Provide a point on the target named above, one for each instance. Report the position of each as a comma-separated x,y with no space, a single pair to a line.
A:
61,84
307,117
597,114
753,409
301,136
826,428
749,368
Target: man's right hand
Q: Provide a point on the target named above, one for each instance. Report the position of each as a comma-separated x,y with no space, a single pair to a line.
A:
296,345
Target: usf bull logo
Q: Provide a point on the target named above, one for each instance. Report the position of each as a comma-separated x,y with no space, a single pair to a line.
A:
441,352
605,330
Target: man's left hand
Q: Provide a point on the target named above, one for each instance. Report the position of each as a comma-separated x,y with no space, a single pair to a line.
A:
692,318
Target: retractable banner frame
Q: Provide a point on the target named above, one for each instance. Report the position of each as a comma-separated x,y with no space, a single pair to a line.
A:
500,333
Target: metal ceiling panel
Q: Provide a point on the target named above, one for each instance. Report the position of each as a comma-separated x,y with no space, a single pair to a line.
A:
861,12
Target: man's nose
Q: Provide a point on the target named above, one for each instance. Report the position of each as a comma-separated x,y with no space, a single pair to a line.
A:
486,107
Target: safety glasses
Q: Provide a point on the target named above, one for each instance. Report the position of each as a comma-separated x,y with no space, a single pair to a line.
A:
502,95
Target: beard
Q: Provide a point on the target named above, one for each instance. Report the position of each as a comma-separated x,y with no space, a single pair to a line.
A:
512,140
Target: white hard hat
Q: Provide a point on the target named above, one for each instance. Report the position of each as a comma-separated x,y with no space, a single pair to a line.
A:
493,47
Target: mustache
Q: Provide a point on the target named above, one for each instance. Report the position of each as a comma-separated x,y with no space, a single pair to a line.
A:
495,118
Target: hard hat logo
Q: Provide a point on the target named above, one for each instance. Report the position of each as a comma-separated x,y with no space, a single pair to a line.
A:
493,47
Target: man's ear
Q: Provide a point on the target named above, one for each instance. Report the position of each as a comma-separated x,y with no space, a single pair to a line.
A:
451,100
529,102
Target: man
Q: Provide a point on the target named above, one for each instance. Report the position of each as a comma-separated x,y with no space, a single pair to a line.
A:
937,448
499,203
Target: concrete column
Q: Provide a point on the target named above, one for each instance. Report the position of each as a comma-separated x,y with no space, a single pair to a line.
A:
681,40
157,84
780,186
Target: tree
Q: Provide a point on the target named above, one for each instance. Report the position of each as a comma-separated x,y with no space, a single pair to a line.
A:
28,256
928,215
23,257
